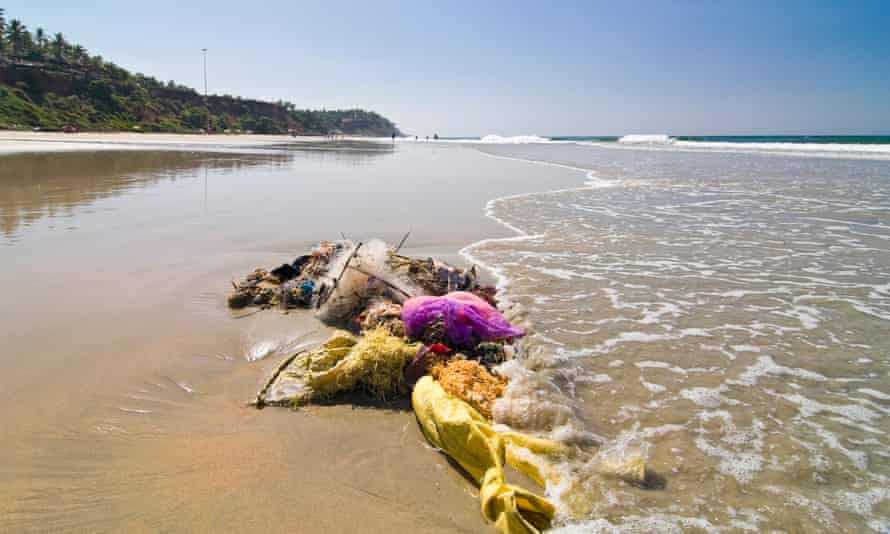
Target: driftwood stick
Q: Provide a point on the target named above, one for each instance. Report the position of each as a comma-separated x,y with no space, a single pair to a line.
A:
402,242
346,265
391,286
337,280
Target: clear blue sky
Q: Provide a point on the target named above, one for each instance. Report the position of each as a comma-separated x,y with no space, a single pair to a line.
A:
517,67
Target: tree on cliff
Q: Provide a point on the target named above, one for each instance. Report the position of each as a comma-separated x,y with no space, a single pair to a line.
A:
58,46
40,39
79,53
2,31
15,34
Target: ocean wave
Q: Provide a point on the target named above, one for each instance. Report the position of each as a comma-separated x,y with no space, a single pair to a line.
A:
647,139
490,139
513,140
851,148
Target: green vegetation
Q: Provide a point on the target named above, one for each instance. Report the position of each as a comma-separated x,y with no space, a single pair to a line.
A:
48,83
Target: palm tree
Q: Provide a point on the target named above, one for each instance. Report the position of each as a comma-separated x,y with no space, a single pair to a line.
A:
58,46
2,31
79,53
16,34
40,39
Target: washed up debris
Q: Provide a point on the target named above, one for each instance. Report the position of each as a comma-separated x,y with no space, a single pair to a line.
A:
434,276
339,279
428,329
427,357
467,437
373,362
465,318
383,314
471,382
259,288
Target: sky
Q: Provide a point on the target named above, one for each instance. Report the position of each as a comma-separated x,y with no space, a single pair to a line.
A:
456,68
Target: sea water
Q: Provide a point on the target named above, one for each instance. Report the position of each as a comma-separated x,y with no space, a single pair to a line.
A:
726,307
722,311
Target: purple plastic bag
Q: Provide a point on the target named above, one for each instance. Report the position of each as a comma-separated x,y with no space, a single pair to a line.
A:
468,319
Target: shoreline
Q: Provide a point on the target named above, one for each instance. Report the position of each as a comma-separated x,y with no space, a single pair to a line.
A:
12,142
502,281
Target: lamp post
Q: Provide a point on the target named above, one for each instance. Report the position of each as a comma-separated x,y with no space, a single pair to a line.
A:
204,51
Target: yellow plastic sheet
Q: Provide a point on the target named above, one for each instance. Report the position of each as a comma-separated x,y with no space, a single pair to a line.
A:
453,426
343,363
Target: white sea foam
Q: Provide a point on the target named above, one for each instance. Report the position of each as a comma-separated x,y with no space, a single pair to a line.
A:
512,140
747,269
809,407
647,139
665,523
823,150
591,182
652,387
741,464
831,148
819,511
765,365
660,365
708,397
875,394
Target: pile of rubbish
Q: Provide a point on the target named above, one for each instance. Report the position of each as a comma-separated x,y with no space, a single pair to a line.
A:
339,278
417,327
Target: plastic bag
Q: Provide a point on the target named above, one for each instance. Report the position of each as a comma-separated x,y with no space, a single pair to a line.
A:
453,426
467,318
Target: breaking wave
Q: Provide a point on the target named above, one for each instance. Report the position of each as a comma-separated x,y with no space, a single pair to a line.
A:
647,139
513,140
836,148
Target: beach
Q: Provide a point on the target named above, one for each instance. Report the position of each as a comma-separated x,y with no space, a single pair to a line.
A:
22,141
723,310
125,377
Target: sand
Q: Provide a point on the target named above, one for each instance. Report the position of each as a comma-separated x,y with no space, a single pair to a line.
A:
124,377
16,141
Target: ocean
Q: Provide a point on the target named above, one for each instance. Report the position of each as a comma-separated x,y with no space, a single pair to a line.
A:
874,146
720,305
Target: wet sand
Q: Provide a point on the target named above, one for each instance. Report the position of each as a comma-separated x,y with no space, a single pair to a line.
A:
17,141
123,376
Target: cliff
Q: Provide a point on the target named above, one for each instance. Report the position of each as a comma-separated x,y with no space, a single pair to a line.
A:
55,95
49,83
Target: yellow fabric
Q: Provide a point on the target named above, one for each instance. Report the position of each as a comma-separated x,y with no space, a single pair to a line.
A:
343,363
453,426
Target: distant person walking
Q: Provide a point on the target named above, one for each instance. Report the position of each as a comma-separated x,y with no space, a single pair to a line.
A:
393,137
435,137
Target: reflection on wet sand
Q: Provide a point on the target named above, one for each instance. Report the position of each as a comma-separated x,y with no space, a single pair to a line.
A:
34,186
